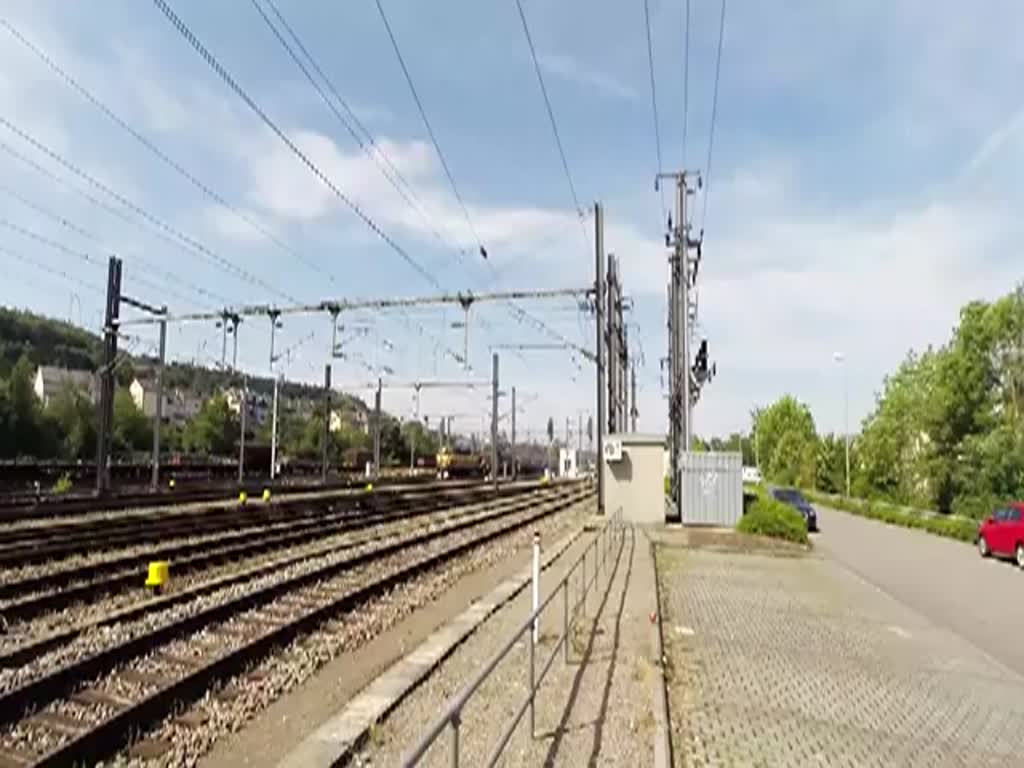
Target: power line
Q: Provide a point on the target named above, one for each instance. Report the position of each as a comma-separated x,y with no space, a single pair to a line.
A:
654,100
714,114
68,224
363,138
554,125
410,196
193,244
52,271
160,154
686,80
86,257
221,72
430,130
114,211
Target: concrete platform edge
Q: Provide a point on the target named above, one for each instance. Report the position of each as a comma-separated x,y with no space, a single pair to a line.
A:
336,738
659,694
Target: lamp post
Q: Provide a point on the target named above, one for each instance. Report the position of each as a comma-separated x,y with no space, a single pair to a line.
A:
840,358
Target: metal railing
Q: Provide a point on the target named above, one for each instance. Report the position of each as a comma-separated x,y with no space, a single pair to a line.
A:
598,551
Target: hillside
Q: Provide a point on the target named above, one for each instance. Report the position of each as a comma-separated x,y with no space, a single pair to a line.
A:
47,341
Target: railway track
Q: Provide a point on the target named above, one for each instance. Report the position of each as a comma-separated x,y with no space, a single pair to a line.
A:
18,508
20,546
90,705
34,594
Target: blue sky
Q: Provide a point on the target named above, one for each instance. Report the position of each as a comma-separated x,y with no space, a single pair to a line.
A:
863,184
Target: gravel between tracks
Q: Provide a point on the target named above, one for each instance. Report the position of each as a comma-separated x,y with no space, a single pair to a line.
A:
83,613
96,638
300,660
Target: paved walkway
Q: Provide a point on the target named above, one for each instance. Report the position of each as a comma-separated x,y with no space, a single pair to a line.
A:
594,710
798,661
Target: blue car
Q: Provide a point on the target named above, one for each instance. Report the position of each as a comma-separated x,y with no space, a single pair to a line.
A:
796,500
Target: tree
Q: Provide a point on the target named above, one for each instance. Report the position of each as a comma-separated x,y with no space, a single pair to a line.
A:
213,431
74,418
551,430
30,433
132,431
788,441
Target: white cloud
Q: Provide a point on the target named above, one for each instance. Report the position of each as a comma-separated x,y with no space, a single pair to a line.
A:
571,70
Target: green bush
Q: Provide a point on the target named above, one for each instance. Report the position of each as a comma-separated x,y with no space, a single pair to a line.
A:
768,517
63,484
950,526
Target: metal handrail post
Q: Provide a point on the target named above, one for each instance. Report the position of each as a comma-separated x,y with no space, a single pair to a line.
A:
533,692
455,741
565,617
583,583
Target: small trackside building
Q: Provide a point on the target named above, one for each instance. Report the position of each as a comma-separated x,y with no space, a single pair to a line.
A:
634,479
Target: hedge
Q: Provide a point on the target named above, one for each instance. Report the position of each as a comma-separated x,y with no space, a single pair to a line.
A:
950,526
768,517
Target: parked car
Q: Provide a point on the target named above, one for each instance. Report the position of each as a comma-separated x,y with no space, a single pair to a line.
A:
1002,534
795,499
752,475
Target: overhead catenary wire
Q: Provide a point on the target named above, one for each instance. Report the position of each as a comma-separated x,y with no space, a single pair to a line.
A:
82,232
714,115
159,153
350,121
686,80
193,245
366,140
554,125
86,257
230,81
654,102
430,130
142,224
52,270
377,155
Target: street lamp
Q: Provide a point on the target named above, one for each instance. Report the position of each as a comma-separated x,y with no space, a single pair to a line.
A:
840,358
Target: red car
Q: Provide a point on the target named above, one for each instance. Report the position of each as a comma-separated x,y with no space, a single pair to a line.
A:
1003,533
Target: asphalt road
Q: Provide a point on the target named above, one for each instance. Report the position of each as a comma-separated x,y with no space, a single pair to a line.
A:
945,581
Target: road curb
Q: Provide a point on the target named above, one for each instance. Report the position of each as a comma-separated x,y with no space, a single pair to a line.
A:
340,735
659,694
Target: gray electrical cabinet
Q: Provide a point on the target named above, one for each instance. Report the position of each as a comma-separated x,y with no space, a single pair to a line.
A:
711,488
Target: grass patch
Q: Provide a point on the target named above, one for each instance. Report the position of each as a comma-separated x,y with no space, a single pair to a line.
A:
768,517
950,526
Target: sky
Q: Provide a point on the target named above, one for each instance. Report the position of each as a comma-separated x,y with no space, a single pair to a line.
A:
862,186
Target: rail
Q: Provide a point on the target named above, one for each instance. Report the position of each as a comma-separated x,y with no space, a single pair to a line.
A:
452,716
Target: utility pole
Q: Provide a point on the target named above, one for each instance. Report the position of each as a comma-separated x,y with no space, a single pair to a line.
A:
611,340
680,398
158,414
515,462
327,421
599,325
273,314
106,410
412,430
494,419
579,431
158,410
633,411
376,429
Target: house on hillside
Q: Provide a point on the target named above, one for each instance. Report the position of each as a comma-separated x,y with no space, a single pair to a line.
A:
179,405
356,419
258,410
51,381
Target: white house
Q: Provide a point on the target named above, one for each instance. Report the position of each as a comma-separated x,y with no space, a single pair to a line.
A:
51,381
179,406
259,405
